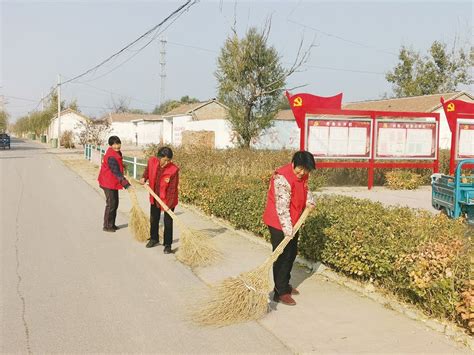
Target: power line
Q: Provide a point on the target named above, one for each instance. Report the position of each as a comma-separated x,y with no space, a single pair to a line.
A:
18,106
345,70
178,10
116,54
140,49
194,47
112,92
45,97
306,65
342,38
20,98
87,106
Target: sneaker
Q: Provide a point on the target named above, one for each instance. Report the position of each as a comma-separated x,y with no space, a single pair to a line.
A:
151,243
167,249
110,230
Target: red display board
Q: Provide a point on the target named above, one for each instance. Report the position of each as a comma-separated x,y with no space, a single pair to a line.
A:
336,134
406,139
339,138
457,110
465,140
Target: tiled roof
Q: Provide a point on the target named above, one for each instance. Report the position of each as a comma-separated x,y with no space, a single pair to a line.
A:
70,110
426,103
285,115
183,109
189,109
128,117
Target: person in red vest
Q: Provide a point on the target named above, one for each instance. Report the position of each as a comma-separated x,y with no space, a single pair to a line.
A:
287,198
111,180
163,177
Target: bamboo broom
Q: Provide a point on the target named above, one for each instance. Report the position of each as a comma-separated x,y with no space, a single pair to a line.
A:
139,222
195,248
245,297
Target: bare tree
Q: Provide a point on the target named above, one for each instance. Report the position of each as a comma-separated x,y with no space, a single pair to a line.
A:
120,104
93,131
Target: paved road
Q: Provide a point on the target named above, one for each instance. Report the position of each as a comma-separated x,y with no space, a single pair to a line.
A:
69,287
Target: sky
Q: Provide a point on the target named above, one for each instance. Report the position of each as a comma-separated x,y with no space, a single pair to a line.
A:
355,44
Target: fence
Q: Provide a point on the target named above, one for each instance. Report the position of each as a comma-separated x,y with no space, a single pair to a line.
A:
133,166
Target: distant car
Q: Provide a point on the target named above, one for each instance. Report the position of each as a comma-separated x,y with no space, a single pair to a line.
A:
4,140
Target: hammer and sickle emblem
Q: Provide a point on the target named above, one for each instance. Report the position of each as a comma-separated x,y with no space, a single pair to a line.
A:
298,102
451,107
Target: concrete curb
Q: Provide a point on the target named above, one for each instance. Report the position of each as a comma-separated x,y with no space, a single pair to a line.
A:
368,290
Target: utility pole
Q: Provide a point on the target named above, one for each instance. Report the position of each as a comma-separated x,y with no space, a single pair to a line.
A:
163,69
59,110
42,101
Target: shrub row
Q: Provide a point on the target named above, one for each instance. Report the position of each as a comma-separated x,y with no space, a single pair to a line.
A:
421,258
403,180
245,162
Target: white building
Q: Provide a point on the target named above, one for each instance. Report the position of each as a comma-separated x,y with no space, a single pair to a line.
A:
426,103
135,129
212,116
208,116
149,130
70,121
283,134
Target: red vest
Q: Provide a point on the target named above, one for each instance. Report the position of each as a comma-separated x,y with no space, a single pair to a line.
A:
299,192
166,173
106,178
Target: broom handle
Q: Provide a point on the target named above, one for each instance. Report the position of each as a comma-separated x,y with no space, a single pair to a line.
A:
279,249
276,253
163,205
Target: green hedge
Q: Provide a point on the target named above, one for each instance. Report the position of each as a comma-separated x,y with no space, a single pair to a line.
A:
424,259
421,258
261,163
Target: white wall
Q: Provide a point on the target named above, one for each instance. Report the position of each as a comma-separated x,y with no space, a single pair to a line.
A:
69,122
221,128
149,132
179,126
167,130
282,135
124,130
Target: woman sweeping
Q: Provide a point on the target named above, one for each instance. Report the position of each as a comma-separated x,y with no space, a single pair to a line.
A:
288,196
163,177
111,180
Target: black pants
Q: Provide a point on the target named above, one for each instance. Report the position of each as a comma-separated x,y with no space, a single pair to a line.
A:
111,205
283,265
155,213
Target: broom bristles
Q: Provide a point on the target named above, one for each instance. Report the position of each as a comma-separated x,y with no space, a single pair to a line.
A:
236,299
139,221
245,297
196,249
